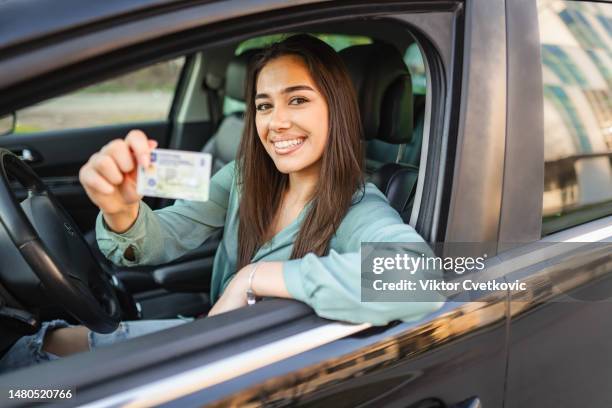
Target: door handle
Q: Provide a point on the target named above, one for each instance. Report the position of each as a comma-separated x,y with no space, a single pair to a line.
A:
26,155
473,402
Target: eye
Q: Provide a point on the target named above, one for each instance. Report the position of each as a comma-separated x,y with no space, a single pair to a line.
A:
298,100
262,107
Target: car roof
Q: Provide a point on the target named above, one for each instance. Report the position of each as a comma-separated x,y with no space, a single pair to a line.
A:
47,19
52,17
40,37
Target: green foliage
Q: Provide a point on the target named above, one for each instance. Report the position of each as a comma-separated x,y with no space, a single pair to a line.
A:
338,42
26,128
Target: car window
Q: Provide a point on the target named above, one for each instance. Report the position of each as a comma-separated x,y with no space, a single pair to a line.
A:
414,60
337,41
141,96
576,46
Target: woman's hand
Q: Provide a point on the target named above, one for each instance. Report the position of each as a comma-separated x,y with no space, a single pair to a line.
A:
234,296
109,178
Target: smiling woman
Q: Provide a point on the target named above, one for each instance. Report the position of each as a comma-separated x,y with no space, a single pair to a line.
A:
307,120
294,207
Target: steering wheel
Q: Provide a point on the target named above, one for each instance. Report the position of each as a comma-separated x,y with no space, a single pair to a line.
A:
55,249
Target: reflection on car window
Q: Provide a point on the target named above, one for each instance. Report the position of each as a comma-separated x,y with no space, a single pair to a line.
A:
576,46
141,96
336,41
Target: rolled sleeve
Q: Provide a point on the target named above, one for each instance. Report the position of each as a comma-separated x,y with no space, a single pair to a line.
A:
331,284
114,245
164,235
295,286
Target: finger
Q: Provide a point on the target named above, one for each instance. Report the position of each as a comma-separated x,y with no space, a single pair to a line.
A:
107,168
152,144
129,192
93,181
138,142
120,152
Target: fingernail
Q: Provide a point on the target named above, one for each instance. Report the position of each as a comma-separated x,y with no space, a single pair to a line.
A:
144,160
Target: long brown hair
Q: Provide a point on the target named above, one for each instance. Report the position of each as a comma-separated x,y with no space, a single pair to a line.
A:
262,185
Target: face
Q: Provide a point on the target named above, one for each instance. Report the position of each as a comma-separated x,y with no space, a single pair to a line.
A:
291,115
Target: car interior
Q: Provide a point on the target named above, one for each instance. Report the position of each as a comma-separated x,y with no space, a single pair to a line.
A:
207,115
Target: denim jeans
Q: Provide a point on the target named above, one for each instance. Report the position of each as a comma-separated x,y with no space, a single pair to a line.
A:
28,349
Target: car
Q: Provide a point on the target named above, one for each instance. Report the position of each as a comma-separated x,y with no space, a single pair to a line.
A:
504,148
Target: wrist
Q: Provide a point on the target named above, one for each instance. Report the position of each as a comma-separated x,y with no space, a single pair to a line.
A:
251,296
121,221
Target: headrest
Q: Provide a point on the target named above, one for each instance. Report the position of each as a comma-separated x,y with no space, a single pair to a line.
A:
384,90
236,74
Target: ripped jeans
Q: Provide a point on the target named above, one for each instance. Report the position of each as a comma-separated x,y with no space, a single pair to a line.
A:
28,350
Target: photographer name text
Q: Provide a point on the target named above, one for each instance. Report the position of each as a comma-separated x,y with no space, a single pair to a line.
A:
437,285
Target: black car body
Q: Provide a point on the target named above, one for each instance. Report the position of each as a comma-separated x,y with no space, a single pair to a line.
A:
484,176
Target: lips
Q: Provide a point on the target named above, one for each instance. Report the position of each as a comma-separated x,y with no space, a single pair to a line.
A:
287,146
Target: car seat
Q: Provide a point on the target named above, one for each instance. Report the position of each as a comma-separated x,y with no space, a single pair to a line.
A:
384,90
223,145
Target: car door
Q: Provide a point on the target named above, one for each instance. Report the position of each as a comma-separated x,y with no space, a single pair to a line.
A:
560,350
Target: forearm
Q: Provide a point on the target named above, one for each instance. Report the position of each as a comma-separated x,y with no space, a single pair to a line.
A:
268,280
160,236
155,237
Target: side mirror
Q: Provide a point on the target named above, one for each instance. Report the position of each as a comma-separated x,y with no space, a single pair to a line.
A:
7,124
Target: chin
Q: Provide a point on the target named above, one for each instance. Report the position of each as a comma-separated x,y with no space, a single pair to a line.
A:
288,165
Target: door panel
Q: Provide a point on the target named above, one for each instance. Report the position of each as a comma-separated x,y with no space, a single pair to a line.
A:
456,355
560,349
561,355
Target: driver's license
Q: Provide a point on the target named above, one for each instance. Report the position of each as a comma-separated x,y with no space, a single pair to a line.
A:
176,174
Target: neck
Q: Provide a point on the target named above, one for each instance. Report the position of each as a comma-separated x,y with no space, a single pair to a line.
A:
302,184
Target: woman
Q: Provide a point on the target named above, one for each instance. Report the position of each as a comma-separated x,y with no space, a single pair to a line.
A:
293,206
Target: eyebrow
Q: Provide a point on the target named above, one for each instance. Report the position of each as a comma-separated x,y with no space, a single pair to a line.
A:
287,90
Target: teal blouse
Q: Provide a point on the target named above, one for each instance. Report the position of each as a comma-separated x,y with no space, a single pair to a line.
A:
330,284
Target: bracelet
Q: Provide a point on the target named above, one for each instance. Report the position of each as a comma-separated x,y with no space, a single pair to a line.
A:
250,294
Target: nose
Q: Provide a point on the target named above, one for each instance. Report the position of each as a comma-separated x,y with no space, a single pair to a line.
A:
279,119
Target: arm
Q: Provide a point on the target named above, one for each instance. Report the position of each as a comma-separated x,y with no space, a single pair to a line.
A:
268,281
161,236
331,285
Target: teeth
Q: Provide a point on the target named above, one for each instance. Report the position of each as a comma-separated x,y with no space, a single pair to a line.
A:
288,143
